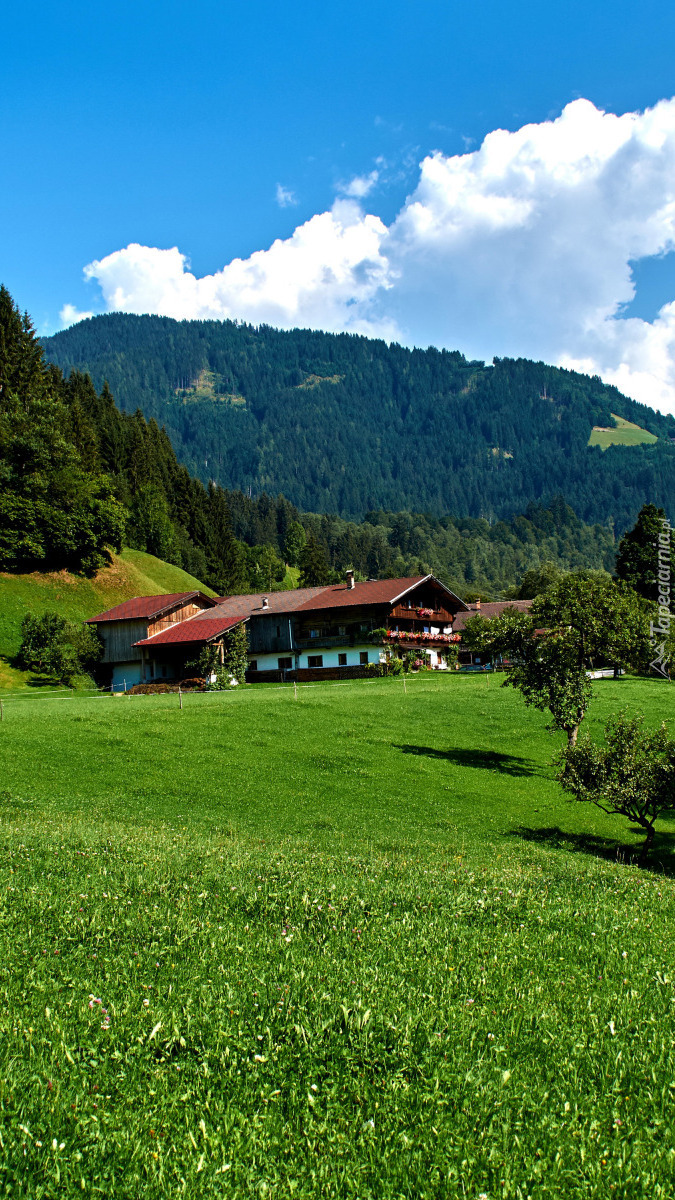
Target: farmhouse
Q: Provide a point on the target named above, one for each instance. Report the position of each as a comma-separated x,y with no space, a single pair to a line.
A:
302,633
331,628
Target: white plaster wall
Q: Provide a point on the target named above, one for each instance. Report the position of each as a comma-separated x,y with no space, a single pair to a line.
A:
330,657
270,662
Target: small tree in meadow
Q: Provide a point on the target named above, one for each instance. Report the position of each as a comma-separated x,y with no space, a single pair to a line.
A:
236,652
61,650
632,775
581,621
234,664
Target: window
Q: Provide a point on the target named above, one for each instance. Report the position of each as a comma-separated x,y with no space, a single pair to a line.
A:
314,633
253,666
315,660
342,630
342,660
363,657
363,628
285,664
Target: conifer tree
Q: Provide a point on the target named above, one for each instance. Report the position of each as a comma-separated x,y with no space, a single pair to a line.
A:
637,560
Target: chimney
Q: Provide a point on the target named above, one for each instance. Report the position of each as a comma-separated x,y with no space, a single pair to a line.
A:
265,603
350,580
478,604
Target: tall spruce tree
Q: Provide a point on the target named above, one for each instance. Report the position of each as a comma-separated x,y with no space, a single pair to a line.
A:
637,560
54,511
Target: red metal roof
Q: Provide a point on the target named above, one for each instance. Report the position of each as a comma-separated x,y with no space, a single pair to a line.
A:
488,610
145,607
375,591
194,629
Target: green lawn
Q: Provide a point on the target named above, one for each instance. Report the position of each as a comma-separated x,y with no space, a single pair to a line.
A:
624,433
351,945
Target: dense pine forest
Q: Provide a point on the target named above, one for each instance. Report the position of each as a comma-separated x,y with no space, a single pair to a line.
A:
81,477
346,424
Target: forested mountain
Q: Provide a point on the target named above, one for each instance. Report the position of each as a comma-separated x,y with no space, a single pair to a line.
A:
346,424
80,478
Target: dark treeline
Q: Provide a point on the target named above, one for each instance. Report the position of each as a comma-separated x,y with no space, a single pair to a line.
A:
347,424
471,555
80,476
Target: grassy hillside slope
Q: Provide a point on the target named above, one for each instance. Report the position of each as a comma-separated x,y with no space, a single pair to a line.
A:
132,573
623,433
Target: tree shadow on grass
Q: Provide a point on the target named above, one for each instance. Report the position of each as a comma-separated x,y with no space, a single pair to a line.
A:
485,760
661,857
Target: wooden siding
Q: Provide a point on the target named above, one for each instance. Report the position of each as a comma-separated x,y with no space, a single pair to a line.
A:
176,614
119,637
441,616
263,637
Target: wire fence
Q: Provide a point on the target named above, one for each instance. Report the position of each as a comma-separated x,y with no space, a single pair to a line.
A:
93,693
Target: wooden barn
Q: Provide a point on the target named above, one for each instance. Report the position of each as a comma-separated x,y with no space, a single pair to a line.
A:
123,626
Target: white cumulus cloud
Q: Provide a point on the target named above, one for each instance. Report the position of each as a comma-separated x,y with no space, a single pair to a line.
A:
523,246
70,315
285,197
323,276
361,185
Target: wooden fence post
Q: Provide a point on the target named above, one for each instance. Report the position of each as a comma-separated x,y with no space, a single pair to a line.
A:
180,698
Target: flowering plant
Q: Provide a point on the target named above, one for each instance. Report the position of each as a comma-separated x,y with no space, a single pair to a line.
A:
425,612
411,635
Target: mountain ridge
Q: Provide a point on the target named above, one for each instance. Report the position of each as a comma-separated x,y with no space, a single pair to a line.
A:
347,424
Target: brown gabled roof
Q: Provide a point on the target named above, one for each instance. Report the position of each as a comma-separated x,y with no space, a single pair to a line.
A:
146,607
488,610
277,602
194,629
373,591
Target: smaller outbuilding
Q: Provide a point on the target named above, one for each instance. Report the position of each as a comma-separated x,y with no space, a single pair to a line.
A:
121,629
169,653
488,610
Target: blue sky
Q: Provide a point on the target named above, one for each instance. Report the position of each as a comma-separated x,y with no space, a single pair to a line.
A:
216,128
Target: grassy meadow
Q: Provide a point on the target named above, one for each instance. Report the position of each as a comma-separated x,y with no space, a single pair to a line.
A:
624,433
353,944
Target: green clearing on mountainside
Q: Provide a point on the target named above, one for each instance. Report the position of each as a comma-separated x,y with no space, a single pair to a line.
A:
351,945
132,573
625,433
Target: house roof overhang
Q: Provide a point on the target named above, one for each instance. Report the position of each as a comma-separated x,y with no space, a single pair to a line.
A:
147,607
376,592
190,632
